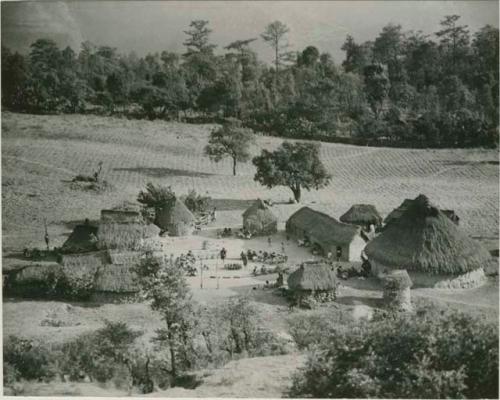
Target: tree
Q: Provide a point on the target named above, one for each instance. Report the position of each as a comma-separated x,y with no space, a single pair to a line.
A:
356,56
163,284
454,40
376,87
230,141
198,38
295,165
275,36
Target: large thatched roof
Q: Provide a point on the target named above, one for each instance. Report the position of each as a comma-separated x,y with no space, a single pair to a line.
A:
317,276
362,214
322,226
397,212
82,239
424,239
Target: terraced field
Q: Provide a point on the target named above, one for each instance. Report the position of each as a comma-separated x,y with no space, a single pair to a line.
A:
40,154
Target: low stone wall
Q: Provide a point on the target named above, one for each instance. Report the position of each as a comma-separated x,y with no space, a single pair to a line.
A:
420,279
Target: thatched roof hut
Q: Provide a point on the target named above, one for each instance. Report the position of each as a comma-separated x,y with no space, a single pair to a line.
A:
119,276
121,227
326,232
424,241
313,277
82,239
397,212
176,219
362,215
258,219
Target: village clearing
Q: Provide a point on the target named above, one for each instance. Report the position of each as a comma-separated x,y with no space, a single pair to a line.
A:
41,154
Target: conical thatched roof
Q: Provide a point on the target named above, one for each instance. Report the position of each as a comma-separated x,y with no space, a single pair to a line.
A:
178,212
397,212
424,239
82,239
322,226
362,214
258,207
317,276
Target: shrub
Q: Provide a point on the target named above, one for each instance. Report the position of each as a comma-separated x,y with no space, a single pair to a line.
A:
25,359
430,355
309,328
100,354
197,203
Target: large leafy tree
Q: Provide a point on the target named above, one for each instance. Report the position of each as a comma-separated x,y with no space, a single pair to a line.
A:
230,141
164,286
294,165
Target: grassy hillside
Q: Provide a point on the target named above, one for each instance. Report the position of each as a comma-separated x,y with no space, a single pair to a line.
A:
40,154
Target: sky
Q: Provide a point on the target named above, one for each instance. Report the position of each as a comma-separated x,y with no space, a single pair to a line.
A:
150,26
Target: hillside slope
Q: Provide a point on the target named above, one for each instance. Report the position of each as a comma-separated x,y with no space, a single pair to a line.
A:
40,155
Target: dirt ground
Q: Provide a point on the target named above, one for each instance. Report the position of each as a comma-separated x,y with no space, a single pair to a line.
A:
41,154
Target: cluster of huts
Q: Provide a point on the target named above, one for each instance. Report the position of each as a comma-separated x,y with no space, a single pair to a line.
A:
417,237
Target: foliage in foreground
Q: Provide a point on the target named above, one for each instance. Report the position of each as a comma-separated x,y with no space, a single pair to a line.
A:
434,354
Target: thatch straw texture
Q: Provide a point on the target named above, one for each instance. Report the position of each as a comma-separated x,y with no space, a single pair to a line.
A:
83,267
397,212
124,257
320,227
258,219
116,278
119,236
316,276
423,239
362,215
177,219
82,239
36,273
151,231
121,216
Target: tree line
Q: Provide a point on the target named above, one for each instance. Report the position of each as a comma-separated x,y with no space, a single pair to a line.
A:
402,88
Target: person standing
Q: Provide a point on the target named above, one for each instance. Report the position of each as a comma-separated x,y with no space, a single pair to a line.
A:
223,254
244,259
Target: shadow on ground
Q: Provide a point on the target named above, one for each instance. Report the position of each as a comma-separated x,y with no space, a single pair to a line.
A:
160,172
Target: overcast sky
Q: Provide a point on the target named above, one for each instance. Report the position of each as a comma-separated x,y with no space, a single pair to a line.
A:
149,26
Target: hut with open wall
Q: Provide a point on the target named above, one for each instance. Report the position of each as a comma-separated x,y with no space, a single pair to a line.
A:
82,239
434,251
331,236
176,219
363,215
121,228
313,279
397,212
258,219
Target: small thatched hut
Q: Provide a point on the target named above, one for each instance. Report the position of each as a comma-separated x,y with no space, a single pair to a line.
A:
434,251
82,239
362,215
176,219
313,279
121,228
397,294
119,275
344,241
258,219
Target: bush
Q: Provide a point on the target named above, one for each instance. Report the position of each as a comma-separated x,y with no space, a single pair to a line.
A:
99,355
308,328
25,359
197,203
429,355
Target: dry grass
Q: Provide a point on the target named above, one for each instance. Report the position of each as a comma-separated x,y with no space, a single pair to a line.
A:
39,152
